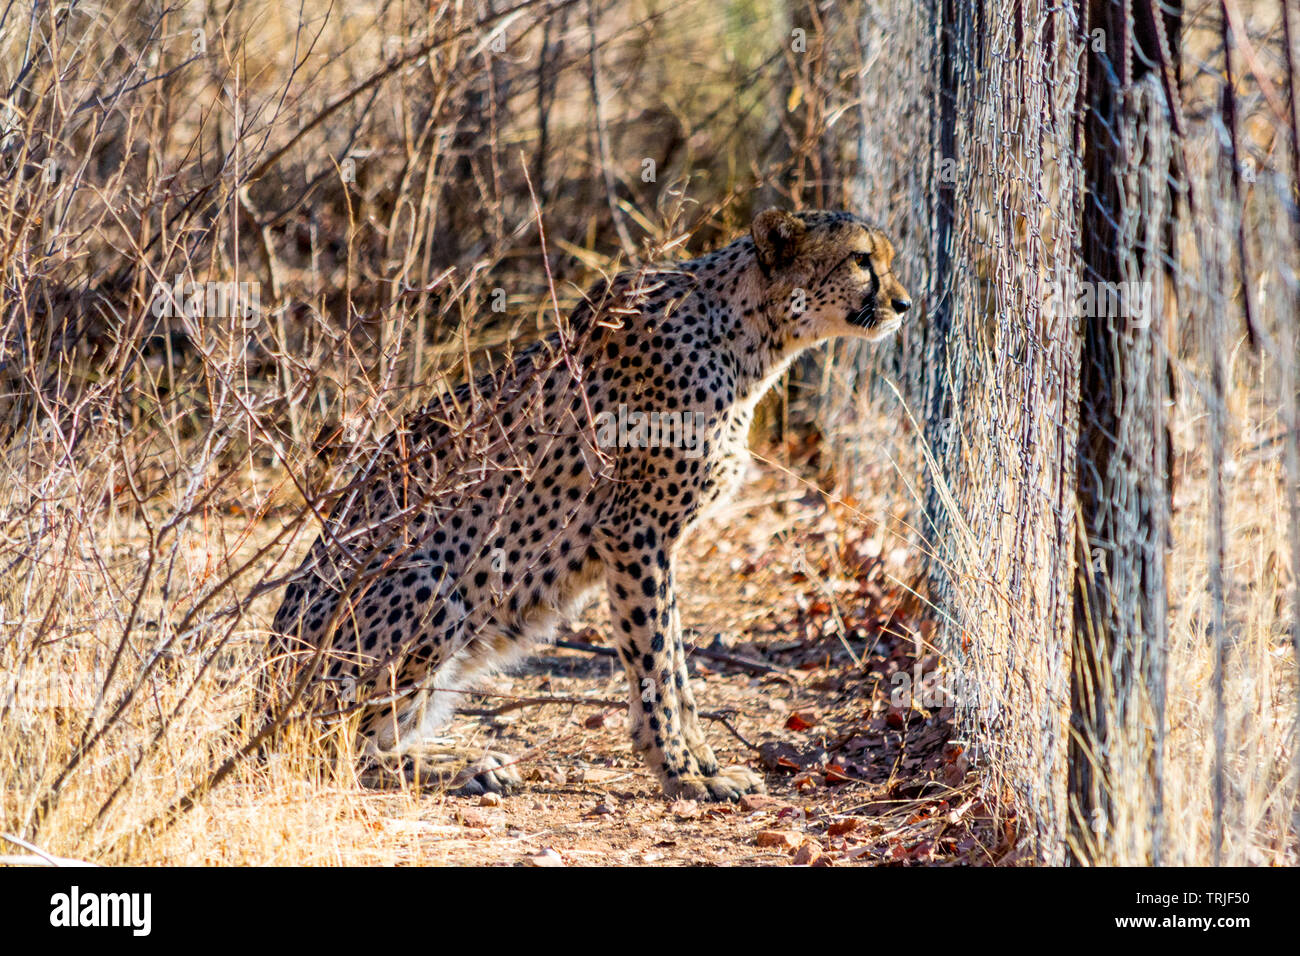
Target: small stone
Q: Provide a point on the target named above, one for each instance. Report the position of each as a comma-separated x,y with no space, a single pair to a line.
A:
473,819
808,855
599,721
552,775
757,801
684,809
490,800
547,857
784,839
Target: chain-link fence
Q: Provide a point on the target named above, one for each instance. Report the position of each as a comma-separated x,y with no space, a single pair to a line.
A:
1102,201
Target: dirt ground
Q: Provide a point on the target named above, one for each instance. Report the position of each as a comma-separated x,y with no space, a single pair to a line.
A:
802,620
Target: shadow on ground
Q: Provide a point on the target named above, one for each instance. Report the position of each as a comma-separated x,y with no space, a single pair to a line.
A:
810,656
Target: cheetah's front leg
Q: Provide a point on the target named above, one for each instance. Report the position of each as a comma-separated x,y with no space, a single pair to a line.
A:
661,708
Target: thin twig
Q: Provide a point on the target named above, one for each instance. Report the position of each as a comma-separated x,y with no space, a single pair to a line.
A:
38,857
722,657
518,703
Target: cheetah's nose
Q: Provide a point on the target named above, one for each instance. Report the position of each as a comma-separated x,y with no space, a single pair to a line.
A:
901,305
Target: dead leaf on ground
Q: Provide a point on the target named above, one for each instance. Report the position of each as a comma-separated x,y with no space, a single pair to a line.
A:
801,720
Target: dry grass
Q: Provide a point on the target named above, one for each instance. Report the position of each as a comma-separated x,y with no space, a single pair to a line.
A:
1260,679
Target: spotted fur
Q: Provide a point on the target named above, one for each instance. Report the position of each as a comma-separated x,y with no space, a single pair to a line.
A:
500,509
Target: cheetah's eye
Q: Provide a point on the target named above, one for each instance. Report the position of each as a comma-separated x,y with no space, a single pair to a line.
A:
863,259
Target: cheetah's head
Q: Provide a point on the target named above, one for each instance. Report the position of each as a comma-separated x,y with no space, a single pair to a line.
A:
831,272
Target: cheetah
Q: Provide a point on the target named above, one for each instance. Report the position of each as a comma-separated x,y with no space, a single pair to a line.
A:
496,512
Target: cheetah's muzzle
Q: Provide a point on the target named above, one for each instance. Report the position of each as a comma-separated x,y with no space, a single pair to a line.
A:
865,317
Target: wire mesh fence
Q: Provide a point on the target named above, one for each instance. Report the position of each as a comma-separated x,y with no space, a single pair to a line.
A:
1106,205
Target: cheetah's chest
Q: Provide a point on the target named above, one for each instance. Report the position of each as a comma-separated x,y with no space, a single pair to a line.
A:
729,464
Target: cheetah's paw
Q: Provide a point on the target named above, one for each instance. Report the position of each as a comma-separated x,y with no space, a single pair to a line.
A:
729,783
491,773
446,769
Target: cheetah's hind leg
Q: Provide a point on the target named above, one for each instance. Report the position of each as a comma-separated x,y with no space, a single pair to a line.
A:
460,771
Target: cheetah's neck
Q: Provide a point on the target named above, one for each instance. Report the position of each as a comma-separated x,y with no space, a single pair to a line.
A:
751,318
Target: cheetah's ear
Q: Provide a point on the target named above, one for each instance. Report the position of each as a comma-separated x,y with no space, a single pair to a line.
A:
776,237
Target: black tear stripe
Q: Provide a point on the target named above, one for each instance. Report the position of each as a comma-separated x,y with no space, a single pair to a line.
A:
865,317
